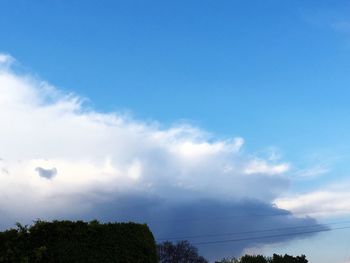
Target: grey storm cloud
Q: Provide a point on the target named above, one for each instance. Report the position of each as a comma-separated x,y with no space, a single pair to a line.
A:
180,180
217,228
46,173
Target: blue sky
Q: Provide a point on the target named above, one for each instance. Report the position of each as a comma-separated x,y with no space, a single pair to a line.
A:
275,73
232,67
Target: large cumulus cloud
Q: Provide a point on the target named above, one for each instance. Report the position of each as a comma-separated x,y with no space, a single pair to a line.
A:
60,159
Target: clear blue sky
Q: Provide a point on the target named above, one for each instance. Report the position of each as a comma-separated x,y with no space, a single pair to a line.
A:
276,73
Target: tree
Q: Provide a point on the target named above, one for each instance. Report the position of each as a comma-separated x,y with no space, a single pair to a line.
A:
68,242
253,259
181,252
288,259
261,259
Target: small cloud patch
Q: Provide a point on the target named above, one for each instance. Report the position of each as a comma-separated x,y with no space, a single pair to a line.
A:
46,173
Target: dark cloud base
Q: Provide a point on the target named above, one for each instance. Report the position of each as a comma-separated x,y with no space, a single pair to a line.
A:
211,217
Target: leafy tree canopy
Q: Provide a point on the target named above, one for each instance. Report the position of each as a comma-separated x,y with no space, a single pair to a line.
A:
67,241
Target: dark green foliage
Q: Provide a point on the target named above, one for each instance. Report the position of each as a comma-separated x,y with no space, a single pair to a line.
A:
261,259
67,241
288,259
181,252
253,259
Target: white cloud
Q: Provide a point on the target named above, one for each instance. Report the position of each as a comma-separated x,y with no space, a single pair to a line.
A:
93,152
333,201
258,166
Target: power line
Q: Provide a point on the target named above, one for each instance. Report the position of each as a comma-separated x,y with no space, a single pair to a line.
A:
267,236
237,233
251,231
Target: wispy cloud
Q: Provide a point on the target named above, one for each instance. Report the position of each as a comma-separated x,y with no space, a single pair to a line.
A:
312,172
258,166
6,60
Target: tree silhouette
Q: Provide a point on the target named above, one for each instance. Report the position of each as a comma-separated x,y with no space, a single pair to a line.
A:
181,252
261,259
75,242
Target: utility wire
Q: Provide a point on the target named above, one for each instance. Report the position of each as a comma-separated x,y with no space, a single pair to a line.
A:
252,231
237,233
266,237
